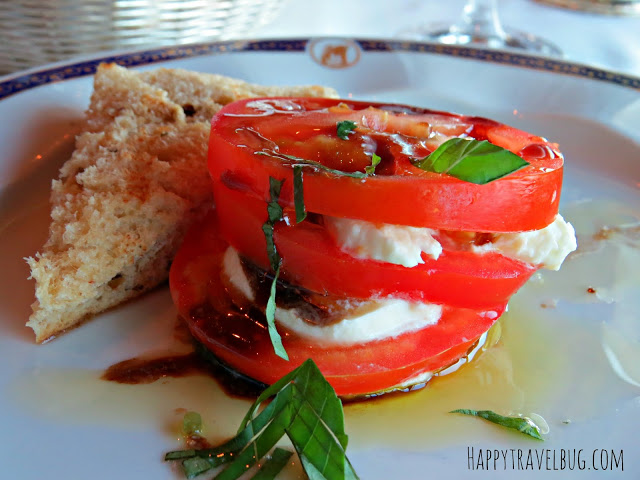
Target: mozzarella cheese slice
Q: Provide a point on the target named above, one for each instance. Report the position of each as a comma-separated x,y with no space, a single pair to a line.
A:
396,244
546,248
373,320
403,245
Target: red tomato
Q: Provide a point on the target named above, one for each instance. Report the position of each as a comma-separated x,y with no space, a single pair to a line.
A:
399,193
258,139
311,259
241,340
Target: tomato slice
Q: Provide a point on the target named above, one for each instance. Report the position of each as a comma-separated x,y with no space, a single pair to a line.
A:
250,137
456,278
256,140
242,341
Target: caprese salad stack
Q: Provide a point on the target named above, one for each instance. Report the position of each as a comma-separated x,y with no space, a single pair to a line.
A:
381,241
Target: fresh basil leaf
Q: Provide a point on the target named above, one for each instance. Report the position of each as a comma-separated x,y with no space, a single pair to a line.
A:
344,128
266,394
180,454
304,407
473,161
522,424
193,467
264,441
298,194
375,161
322,398
274,465
227,452
317,430
270,313
195,462
303,162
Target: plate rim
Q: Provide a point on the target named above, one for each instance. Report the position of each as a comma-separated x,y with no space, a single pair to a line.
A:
434,454
84,66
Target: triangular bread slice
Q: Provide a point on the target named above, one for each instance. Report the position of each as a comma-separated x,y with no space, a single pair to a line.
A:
134,184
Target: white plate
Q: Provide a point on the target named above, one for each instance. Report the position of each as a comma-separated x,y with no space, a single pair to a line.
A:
575,362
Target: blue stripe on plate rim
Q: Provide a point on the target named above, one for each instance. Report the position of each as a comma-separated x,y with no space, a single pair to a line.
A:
20,82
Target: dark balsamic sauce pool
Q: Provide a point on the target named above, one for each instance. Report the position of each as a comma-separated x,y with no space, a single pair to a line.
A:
151,368
141,370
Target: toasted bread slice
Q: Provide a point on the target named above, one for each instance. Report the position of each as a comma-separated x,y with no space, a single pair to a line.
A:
134,184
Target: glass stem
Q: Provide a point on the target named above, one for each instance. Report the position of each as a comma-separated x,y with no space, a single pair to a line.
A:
480,19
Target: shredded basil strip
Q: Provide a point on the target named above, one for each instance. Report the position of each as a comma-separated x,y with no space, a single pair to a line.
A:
270,313
302,162
375,161
473,161
272,467
298,194
274,212
273,207
522,424
195,462
304,407
344,128
272,253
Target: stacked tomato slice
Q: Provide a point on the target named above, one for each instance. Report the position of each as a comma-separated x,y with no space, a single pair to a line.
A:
255,140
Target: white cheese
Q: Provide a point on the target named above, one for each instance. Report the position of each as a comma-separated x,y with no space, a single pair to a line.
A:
388,318
232,267
383,318
547,247
396,244
402,245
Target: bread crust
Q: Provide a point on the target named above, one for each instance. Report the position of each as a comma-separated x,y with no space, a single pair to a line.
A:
134,184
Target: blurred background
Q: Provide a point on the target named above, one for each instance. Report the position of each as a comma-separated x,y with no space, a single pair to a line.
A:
601,33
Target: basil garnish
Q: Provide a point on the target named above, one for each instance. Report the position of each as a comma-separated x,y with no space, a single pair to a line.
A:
344,128
298,194
471,160
375,161
272,467
522,424
306,409
274,211
270,313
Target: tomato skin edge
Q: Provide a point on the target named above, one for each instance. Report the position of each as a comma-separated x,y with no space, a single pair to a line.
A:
429,200
398,359
346,385
462,279
525,200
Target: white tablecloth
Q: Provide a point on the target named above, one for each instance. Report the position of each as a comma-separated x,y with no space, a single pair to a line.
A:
604,41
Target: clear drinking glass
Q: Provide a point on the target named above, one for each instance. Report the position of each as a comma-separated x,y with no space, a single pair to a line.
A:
480,25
